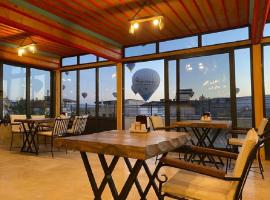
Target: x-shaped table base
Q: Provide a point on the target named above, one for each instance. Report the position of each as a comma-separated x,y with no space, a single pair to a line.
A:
204,140
132,178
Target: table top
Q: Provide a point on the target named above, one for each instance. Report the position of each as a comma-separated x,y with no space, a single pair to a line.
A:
204,124
36,120
124,144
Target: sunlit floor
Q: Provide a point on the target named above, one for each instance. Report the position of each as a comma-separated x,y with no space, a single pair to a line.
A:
24,176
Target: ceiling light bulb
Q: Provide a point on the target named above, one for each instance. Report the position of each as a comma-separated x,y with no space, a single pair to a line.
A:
20,51
136,25
155,22
32,48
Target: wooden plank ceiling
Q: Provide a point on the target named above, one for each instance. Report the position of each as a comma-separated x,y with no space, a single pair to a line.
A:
67,28
182,17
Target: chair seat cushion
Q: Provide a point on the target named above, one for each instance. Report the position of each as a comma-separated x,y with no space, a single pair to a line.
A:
190,185
236,141
46,133
70,131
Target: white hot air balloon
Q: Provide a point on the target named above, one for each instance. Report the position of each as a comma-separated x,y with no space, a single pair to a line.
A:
145,82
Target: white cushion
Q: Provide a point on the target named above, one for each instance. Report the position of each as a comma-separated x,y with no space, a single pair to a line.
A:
157,122
17,128
46,133
196,186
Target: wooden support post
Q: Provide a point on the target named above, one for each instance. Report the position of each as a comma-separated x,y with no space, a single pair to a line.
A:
58,92
257,77
119,108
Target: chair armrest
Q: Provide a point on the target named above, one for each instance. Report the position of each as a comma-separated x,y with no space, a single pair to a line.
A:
193,167
208,151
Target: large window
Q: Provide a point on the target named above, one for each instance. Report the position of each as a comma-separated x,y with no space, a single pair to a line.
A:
14,90
205,87
266,55
69,92
70,61
144,90
107,92
40,92
88,92
243,87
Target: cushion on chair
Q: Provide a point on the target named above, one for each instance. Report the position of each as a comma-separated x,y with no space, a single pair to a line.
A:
45,133
157,122
14,127
262,126
249,143
236,141
37,116
196,186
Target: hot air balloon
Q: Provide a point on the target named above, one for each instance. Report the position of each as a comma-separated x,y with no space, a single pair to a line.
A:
237,90
84,94
145,82
63,87
37,85
130,66
114,94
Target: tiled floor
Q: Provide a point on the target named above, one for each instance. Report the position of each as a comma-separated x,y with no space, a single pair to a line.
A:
24,176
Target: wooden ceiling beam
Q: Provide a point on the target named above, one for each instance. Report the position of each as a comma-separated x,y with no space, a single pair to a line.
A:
213,13
35,23
259,17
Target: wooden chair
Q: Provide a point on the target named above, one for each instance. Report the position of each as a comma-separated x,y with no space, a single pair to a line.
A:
78,125
158,124
16,128
238,142
59,130
195,181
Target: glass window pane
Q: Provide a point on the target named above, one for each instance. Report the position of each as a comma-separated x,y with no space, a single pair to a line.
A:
172,90
107,92
69,89
100,59
40,92
243,88
266,56
140,50
178,44
89,58
69,61
88,92
205,87
14,90
225,36
144,90
266,31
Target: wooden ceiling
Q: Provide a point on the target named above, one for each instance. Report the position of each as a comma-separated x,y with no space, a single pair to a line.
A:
65,28
182,17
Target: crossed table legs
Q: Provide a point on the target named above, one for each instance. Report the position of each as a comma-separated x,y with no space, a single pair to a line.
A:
132,178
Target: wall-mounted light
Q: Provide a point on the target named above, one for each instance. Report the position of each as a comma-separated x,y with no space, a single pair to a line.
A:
30,47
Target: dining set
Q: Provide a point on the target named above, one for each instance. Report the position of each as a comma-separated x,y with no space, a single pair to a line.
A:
32,129
197,139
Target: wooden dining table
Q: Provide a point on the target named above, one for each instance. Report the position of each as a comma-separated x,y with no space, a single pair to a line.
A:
126,145
205,131
30,128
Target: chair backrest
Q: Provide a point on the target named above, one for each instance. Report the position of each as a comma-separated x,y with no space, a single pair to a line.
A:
79,124
244,160
262,126
60,126
157,122
17,127
37,116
